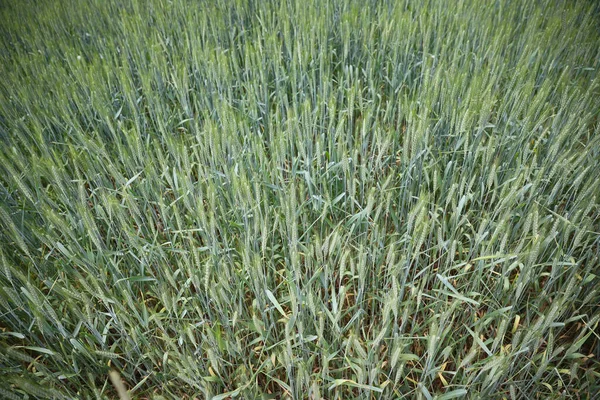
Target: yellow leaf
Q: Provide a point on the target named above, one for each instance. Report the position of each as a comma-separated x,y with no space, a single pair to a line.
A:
444,381
516,324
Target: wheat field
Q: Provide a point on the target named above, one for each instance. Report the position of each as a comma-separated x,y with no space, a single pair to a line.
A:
316,199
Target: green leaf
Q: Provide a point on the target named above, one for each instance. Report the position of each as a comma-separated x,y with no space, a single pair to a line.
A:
348,382
275,302
38,349
233,394
137,278
14,334
452,394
